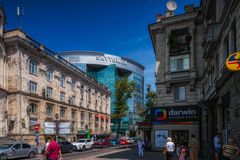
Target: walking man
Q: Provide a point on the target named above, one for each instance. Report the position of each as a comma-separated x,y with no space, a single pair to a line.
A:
217,146
170,147
140,148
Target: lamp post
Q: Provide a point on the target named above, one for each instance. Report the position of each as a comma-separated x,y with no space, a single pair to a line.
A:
56,122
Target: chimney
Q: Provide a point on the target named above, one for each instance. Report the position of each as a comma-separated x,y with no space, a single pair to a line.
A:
159,17
189,8
169,13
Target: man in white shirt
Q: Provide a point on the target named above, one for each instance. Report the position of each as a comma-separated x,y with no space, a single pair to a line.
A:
170,147
217,146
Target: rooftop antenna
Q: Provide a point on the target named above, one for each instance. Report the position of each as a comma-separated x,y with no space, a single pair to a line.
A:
20,13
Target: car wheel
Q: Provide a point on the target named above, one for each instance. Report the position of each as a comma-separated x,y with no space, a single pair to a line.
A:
83,148
31,154
3,156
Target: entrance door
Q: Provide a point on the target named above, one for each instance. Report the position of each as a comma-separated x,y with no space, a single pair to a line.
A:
180,137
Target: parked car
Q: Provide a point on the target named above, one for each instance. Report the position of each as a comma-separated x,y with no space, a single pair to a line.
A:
130,140
83,144
17,150
102,143
66,146
115,142
123,142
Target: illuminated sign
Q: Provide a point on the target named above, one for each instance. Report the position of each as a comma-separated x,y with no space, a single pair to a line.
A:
111,60
233,62
175,115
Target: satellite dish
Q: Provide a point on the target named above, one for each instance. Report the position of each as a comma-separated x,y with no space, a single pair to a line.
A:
171,5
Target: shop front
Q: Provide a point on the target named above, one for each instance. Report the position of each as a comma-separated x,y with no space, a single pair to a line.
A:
177,122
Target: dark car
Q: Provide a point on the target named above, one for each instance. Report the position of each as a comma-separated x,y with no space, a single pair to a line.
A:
66,146
102,143
17,150
115,142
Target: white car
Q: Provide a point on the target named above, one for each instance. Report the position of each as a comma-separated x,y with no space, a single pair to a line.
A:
83,144
130,140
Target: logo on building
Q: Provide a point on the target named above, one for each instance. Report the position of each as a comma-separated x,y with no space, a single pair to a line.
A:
161,114
111,60
233,62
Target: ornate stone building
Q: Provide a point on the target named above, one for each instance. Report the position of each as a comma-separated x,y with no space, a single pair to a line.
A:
177,45
37,85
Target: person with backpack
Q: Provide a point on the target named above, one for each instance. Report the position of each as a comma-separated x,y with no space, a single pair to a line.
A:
141,146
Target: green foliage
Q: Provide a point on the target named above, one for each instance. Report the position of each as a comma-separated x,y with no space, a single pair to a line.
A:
123,92
151,101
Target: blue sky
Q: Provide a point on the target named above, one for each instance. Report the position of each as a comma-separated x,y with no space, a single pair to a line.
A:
118,27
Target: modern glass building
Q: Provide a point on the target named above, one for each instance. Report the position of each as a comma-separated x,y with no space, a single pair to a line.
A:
107,69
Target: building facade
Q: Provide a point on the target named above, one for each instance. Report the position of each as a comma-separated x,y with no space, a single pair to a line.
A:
179,65
107,69
220,100
38,86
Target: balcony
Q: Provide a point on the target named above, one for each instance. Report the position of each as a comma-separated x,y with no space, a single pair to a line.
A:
211,39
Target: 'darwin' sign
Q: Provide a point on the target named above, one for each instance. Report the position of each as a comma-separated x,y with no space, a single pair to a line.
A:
175,115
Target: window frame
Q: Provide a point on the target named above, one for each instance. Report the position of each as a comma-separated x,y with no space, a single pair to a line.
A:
49,74
51,110
49,92
62,80
62,112
185,66
62,94
32,108
33,67
32,87
178,91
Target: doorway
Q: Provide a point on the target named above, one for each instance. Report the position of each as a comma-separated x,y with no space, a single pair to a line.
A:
180,137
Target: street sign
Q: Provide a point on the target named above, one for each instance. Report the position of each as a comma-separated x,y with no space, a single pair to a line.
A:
64,131
64,125
49,130
49,124
233,62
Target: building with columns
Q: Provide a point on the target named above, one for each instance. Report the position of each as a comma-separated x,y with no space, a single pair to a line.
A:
177,45
37,86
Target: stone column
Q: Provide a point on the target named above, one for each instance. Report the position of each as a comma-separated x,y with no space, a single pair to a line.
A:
167,58
192,49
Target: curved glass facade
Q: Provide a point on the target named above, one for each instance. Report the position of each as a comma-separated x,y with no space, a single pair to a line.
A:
107,69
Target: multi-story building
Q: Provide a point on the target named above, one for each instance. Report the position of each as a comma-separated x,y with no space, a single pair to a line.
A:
220,100
37,85
107,69
179,65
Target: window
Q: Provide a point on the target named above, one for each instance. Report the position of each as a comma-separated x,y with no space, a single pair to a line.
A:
73,114
179,63
49,92
62,112
180,93
62,96
49,74
82,92
73,84
49,111
17,146
33,67
32,87
25,146
32,108
72,100
62,81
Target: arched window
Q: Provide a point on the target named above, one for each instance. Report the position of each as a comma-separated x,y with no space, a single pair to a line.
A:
62,80
33,67
73,84
49,74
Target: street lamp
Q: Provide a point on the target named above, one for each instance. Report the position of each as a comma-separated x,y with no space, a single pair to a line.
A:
56,122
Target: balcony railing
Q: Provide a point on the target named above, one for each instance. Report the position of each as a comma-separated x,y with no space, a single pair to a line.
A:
211,37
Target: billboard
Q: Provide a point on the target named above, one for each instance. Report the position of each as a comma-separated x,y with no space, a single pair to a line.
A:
175,115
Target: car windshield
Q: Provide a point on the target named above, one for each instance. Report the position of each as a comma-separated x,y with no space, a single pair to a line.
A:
100,140
81,141
5,146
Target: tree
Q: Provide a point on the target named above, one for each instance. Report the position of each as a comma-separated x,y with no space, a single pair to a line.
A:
151,100
123,92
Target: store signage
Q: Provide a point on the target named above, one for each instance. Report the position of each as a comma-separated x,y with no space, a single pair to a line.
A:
233,62
64,131
49,124
111,60
49,131
64,125
176,114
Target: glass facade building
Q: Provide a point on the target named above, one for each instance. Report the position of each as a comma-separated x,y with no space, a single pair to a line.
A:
107,69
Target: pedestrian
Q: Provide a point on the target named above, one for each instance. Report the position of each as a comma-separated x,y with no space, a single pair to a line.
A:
140,148
217,146
194,147
230,150
53,151
182,152
178,150
170,147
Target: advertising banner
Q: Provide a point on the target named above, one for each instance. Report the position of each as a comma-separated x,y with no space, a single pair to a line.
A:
175,115
161,138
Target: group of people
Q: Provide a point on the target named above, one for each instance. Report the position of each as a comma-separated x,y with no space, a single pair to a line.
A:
226,151
52,150
182,150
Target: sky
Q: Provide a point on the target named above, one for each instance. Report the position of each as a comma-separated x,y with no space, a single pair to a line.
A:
118,27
